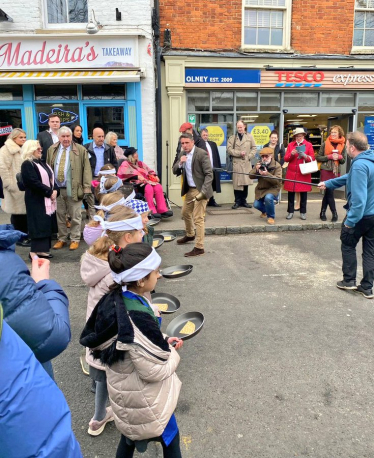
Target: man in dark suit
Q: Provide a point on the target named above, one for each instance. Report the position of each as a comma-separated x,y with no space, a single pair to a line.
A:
215,160
49,137
194,165
99,154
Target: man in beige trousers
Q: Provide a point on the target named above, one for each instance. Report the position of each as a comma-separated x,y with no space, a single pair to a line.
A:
194,165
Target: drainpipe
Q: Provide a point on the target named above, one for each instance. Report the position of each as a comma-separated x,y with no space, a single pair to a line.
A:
156,34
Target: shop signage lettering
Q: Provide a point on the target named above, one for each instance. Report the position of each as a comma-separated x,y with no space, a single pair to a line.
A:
222,76
299,78
75,52
5,130
66,117
352,79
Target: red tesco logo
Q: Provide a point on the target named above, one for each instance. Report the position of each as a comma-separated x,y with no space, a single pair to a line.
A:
300,77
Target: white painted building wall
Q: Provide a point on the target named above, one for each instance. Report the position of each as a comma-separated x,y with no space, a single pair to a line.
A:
28,17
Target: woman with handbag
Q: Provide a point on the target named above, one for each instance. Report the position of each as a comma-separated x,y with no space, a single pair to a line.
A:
14,198
299,152
138,173
40,197
331,156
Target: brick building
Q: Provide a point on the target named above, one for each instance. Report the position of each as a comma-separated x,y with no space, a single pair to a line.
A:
50,62
272,63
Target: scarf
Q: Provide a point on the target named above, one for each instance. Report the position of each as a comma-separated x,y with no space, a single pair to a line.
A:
336,143
50,205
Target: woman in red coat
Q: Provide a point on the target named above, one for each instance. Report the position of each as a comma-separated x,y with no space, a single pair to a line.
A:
295,158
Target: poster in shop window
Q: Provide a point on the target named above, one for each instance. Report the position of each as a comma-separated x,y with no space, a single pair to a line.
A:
218,134
369,130
261,134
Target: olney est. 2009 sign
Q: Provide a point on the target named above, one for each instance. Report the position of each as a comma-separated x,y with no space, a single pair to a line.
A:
39,53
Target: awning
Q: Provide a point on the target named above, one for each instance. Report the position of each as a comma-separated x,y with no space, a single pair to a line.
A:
71,77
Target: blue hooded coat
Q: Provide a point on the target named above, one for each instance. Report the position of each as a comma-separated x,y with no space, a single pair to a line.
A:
35,418
37,312
360,188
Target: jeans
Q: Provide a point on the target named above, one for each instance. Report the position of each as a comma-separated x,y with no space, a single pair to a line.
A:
266,205
350,237
127,451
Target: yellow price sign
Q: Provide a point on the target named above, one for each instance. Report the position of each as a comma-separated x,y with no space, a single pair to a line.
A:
261,134
216,134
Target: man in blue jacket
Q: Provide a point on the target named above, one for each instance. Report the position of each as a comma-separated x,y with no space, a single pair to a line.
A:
359,221
35,307
35,418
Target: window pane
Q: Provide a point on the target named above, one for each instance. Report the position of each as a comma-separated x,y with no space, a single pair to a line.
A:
337,99
370,3
369,21
263,37
270,101
198,101
222,101
361,3
108,118
68,113
359,20
300,99
265,3
358,38
276,38
366,101
246,101
57,13
250,36
55,92
78,11
11,92
104,91
9,118
369,38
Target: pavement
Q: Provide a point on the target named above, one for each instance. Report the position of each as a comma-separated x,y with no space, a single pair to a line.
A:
225,221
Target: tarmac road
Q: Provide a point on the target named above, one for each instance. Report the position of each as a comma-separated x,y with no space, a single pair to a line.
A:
283,367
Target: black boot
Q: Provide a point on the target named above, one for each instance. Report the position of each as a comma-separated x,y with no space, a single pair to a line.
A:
322,215
334,217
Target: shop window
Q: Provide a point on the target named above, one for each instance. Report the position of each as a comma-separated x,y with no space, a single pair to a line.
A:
66,11
337,99
270,101
108,118
198,101
222,101
9,120
366,101
364,23
56,92
10,92
68,113
266,24
104,92
300,99
246,101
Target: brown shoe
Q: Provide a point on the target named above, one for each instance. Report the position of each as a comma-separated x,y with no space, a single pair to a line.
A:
263,215
58,245
271,221
74,246
185,239
195,252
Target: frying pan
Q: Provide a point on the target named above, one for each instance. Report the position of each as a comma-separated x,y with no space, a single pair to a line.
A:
176,325
165,298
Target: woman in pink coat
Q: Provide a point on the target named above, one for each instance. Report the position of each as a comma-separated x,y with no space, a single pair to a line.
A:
294,159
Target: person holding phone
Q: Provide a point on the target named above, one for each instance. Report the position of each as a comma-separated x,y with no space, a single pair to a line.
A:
331,156
298,152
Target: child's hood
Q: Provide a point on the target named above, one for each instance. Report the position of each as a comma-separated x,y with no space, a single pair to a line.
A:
93,269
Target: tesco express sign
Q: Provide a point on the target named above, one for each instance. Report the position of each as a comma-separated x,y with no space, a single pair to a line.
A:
300,76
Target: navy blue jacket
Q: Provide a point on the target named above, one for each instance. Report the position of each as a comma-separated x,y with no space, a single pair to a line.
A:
37,312
35,418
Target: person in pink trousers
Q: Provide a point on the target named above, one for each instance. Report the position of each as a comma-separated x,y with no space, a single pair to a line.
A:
138,173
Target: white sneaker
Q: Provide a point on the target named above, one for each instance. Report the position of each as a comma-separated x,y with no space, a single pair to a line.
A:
97,427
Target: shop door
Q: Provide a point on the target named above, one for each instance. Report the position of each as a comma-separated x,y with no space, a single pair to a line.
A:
111,117
10,118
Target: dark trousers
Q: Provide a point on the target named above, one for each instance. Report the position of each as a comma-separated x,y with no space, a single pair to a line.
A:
291,202
40,245
364,229
241,196
328,201
19,222
126,450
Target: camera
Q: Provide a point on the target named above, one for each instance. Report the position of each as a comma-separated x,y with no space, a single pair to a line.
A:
263,166
285,111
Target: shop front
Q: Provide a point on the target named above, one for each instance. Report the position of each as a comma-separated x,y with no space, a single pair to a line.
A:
91,81
267,99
